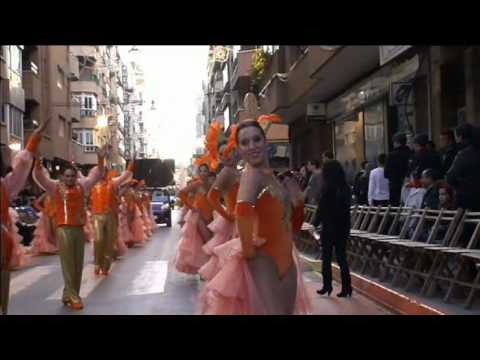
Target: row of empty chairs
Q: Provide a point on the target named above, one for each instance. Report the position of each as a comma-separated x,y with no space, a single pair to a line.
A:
428,250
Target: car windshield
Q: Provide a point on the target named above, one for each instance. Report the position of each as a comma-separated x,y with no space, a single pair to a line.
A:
159,197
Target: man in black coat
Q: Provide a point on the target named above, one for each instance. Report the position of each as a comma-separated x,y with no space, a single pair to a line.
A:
449,150
424,158
464,174
396,167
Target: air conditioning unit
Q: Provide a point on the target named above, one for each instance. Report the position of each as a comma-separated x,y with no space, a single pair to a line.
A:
316,110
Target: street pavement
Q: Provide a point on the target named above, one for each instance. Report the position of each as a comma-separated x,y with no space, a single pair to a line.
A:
143,282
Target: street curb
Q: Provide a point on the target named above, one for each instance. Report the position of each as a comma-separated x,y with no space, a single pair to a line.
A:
382,295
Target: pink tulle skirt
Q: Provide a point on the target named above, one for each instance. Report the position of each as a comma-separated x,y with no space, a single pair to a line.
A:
148,228
233,291
125,235
20,258
139,231
120,242
223,231
44,240
190,256
89,229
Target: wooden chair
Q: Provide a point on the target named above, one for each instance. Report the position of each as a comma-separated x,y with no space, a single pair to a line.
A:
377,226
424,254
459,256
378,246
470,255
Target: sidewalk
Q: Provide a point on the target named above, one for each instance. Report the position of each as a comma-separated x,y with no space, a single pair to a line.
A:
358,304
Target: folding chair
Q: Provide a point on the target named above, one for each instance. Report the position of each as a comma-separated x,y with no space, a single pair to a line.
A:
424,254
377,226
378,244
459,256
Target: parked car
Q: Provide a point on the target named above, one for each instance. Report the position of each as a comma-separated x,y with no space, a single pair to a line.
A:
27,218
162,207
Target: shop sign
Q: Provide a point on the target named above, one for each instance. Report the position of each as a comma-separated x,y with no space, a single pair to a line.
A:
389,52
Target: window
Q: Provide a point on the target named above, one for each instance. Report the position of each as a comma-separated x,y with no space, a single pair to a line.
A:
61,127
85,137
2,53
61,79
15,122
225,74
15,62
226,117
88,105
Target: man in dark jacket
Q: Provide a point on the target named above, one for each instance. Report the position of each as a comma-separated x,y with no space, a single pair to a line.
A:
396,167
464,174
449,149
424,158
360,184
429,182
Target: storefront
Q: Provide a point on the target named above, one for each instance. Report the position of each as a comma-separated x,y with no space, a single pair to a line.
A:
366,116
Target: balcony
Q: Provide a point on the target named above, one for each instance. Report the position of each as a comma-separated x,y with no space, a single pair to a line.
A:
241,69
89,51
85,86
74,73
32,86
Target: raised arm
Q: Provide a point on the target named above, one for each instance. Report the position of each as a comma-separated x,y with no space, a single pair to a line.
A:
95,174
250,185
183,194
15,181
126,176
42,178
221,185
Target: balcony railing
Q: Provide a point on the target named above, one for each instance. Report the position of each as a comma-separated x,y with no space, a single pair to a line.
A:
88,113
89,148
30,66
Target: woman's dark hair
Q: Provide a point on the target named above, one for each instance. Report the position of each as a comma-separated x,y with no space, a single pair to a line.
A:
333,176
381,159
329,155
315,163
364,163
249,123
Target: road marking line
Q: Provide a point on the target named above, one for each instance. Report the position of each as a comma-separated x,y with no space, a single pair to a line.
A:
30,277
151,280
90,281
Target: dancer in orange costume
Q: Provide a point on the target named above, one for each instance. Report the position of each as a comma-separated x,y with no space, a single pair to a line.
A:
226,188
11,183
190,257
260,272
105,207
44,242
70,217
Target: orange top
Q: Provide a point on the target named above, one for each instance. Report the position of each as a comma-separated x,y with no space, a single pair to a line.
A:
6,241
268,219
201,203
104,198
69,205
230,199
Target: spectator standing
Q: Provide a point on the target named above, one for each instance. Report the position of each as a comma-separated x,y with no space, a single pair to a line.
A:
464,174
360,185
429,182
378,186
305,174
448,150
312,190
396,167
424,158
